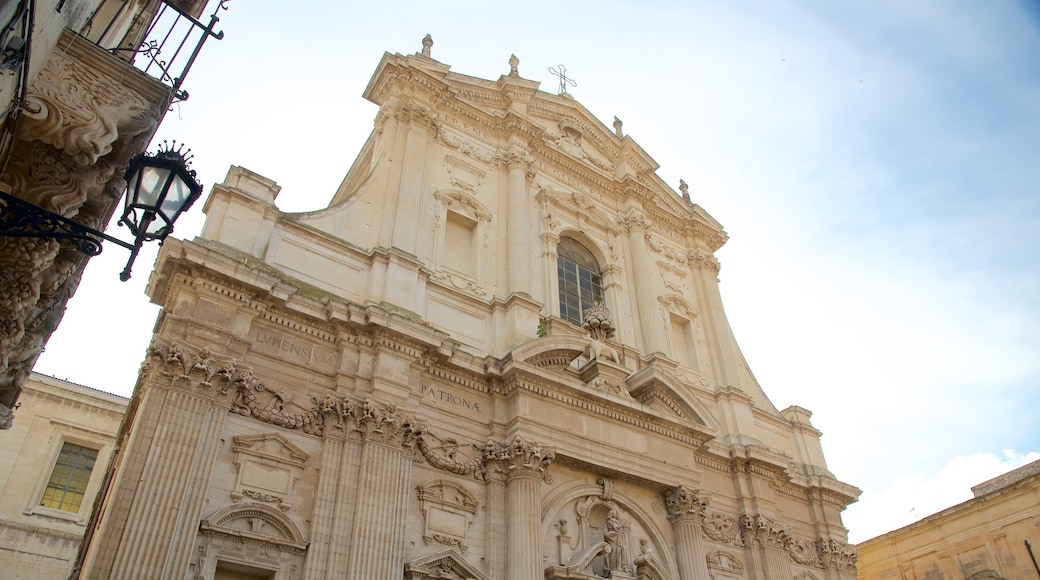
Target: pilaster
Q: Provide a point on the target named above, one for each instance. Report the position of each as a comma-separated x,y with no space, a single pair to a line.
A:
652,331
377,533
517,163
418,121
523,465
149,524
686,513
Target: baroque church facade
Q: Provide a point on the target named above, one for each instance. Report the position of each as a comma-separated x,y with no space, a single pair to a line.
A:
499,353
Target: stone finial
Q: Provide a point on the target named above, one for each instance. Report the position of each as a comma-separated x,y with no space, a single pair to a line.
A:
513,64
617,128
597,321
427,42
685,189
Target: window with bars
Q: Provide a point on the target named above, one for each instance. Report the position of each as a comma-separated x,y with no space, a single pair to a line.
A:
581,284
68,482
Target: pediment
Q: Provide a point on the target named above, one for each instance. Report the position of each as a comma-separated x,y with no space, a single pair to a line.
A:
271,446
582,208
446,565
551,352
256,523
662,394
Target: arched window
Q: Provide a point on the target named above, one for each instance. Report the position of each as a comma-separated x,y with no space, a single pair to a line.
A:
581,284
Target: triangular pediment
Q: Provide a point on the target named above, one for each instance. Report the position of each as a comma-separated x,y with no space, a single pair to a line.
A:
446,565
271,446
663,394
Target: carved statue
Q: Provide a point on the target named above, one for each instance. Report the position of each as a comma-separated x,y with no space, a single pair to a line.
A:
427,42
615,535
514,63
601,328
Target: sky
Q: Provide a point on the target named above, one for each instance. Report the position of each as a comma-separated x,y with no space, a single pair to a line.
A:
876,165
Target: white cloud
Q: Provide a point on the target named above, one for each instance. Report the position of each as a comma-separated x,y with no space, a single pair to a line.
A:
917,495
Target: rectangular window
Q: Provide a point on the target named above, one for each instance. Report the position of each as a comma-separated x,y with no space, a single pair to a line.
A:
68,481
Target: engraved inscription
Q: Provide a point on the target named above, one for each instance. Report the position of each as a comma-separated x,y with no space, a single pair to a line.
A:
435,395
281,345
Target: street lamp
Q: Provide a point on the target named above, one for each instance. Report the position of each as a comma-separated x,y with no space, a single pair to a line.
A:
159,188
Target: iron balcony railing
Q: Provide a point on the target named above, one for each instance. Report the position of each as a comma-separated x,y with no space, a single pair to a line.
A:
161,38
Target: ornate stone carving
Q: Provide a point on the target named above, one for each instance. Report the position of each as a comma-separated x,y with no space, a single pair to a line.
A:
834,554
683,502
445,565
720,527
268,466
724,565
513,156
465,146
445,456
519,457
447,510
758,530
597,322
83,113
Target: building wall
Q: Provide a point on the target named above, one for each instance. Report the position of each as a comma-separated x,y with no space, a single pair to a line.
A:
983,537
386,388
38,542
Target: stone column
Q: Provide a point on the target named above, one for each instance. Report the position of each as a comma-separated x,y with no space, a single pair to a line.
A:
686,513
523,464
646,292
151,514
518,214
377,536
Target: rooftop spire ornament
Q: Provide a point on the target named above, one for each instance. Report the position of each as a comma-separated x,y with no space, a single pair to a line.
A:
427,42
564,81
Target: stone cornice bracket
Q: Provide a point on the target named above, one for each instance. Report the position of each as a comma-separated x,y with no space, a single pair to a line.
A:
683,502
519,458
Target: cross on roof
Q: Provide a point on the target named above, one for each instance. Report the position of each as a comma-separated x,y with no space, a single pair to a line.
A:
564,81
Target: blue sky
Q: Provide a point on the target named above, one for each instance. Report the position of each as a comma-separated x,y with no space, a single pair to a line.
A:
874,164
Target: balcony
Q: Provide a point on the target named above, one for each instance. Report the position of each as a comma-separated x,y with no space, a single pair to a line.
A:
86,85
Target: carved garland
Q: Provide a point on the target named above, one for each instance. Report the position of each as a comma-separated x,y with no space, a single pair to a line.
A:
234,385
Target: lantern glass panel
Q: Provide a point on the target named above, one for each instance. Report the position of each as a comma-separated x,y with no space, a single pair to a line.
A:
153,179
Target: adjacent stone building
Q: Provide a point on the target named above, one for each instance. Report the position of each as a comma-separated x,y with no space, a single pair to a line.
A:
84,85
51,470
499,353
994,535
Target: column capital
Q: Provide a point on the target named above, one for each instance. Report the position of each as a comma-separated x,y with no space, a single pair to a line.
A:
513,157
684,503
519,458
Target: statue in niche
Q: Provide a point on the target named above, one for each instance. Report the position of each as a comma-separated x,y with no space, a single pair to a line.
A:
616,536
597,321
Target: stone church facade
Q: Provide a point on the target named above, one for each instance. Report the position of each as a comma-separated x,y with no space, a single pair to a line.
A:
499,353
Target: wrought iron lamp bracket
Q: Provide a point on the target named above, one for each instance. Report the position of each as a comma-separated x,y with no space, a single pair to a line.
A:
21,219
